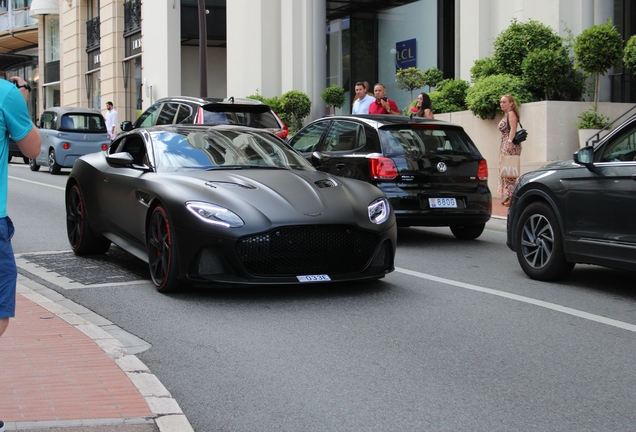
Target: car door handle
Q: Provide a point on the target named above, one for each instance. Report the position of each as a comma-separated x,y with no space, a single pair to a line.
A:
340,166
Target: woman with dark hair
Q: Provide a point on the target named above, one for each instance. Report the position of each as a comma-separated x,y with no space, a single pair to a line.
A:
508,128
423,107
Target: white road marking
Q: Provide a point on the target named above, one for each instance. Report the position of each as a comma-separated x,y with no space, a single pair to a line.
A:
37,183
528,300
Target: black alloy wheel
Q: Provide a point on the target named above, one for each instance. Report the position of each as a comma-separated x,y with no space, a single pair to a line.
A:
540,244
82,239
54,168
468,232
162,252
33,165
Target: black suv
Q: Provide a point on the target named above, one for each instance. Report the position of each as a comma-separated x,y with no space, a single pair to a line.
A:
430,170
578,211
212,111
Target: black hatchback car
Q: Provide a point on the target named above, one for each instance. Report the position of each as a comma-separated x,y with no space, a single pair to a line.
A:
578,211
211,111
430,170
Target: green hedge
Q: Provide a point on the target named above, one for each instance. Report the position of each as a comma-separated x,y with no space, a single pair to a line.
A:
484,96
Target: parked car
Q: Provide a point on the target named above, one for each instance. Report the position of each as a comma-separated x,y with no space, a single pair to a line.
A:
68,133
578,211
431,171
210,111
227,205
14,151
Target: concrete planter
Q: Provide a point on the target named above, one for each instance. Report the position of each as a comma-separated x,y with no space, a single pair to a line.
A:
585,134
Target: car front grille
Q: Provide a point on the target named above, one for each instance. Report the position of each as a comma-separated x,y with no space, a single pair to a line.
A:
307,250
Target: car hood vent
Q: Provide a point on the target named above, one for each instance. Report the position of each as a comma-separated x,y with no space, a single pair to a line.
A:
229,184
326,183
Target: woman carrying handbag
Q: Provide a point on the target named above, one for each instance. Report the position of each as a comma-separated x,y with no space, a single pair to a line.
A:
509,152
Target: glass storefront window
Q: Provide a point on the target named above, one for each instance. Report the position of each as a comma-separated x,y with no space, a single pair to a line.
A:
412,21
134,88
94,90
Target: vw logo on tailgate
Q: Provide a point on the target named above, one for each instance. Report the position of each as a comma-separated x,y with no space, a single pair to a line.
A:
441,167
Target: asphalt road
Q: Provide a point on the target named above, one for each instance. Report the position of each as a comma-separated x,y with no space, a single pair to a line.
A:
457,339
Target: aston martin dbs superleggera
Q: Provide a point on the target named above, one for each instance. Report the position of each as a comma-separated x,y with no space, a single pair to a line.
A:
227,205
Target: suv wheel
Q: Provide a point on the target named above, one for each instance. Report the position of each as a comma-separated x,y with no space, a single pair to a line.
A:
540,244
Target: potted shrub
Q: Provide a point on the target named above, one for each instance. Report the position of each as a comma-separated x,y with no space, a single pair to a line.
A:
629,58
589,124
597,49
334,96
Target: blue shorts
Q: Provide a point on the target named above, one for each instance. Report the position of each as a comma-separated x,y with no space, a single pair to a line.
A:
8,270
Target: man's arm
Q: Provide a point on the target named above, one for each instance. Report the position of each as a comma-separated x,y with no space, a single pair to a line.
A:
30,144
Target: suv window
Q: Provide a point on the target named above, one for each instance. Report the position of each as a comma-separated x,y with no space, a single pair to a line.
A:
185,114
148,117
167,114
423,140
622,148
308,138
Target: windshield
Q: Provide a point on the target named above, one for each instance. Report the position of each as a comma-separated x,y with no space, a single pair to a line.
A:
211,149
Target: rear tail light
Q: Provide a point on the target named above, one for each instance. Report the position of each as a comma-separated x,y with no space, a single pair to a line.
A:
199,119
382,168
482,171
104,147
66,146
285,130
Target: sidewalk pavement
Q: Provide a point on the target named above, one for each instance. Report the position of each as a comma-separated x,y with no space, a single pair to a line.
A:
60,372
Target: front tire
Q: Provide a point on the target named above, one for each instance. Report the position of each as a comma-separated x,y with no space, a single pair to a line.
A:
162,252
54,167
80,235
33,165
468,232
539,244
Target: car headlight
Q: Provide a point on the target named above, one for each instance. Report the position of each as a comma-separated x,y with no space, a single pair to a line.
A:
214,214
379,211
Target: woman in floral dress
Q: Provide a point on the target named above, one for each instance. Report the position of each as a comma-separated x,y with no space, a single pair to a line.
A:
508,127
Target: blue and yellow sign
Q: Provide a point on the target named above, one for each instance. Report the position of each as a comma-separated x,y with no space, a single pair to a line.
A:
406,54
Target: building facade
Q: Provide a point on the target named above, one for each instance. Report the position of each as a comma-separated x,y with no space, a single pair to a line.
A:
132,52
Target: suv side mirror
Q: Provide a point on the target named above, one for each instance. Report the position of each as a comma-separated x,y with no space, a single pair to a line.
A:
585,156
318,159
126,126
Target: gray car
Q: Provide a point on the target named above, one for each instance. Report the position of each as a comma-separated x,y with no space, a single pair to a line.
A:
68,133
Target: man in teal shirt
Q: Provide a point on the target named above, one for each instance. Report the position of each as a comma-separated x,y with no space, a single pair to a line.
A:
14,121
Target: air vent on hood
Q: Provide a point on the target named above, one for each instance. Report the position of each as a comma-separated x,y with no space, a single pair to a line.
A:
325,183
230,184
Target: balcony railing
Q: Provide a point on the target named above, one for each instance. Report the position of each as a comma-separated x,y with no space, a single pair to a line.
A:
15,19
92,34
132,16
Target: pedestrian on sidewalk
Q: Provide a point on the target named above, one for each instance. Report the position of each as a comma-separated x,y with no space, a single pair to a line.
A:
382,104
111,120
508,128
422,107
363,100
14,121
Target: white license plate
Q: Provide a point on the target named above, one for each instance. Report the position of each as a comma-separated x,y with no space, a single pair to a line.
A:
313,278
442,202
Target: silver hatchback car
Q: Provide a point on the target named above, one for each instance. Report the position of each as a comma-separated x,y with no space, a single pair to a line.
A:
68,133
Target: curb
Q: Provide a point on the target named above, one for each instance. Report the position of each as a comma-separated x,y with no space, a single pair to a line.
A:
168,416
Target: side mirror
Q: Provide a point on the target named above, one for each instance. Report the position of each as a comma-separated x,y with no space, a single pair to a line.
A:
120,159
126,126
317,159
585,156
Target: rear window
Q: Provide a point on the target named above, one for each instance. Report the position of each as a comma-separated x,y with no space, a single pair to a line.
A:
424,140
257,116
83,123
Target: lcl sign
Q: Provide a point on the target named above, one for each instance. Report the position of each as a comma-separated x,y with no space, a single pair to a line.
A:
406,54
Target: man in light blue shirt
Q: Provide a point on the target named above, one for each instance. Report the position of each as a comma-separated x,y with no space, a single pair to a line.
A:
361,105
14,121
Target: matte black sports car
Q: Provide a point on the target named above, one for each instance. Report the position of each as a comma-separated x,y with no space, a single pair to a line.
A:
227,205
430,170
578,211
